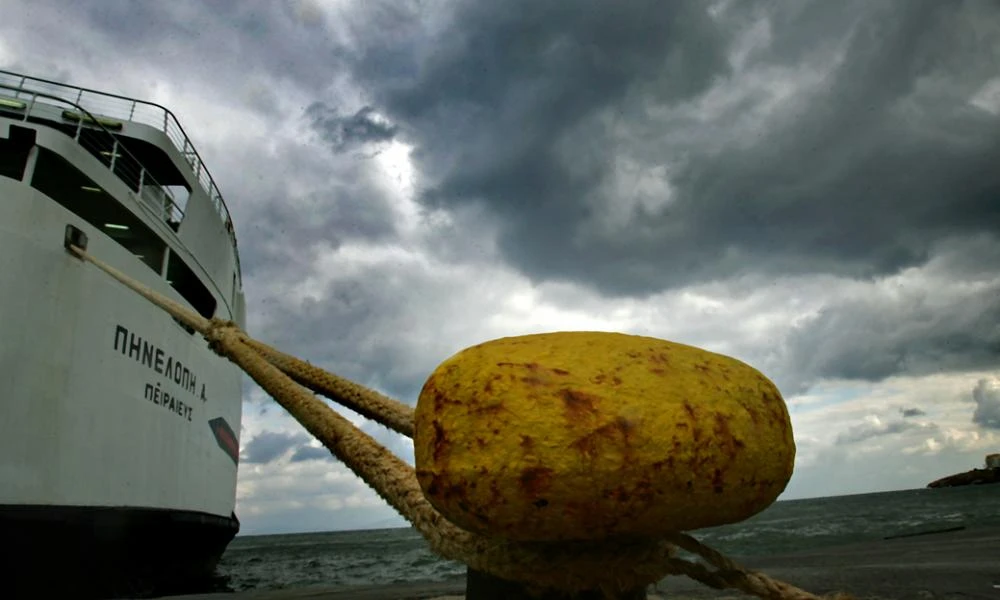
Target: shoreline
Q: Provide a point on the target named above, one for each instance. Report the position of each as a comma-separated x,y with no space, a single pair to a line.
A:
943,563
973,477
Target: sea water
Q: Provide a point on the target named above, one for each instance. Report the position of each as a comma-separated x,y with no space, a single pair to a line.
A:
388,556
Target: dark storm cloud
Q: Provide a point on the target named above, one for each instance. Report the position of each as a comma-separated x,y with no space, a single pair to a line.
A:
911,412
235,37
867,431
987,398
304,453
515,109
347,132
519,112
270,445
353,332
304,194
510,83
279,232
880,335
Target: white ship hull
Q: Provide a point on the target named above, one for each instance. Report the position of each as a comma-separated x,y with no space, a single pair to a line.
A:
107,400
118,428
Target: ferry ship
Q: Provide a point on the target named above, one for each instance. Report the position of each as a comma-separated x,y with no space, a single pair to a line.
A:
119,427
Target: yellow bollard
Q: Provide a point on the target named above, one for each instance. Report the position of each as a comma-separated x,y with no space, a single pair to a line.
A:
591,435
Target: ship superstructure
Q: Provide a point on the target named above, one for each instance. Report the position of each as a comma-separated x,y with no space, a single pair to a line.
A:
119,427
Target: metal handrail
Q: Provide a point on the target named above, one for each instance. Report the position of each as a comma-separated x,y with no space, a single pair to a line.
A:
147,113
143,179
137,111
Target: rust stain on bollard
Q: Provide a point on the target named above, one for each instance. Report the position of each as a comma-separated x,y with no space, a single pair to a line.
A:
593,435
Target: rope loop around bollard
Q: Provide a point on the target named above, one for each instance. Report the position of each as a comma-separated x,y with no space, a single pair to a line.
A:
611,567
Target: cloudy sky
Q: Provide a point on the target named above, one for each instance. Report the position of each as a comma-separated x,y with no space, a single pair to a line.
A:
812,187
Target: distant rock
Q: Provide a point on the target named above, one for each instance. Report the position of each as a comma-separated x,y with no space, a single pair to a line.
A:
993,461
973,477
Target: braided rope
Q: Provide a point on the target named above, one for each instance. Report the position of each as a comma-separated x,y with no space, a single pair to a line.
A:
730,574
368,403
612,566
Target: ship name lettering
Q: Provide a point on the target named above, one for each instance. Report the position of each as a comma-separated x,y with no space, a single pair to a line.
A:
147,353
161,397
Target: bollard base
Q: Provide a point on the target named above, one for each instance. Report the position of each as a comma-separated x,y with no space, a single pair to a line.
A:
482,586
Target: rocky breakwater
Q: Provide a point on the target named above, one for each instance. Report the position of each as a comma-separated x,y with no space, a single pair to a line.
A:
991,474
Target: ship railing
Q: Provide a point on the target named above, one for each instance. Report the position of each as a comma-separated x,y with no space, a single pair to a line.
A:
107,148
115,106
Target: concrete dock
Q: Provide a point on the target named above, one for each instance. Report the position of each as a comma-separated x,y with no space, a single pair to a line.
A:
943,565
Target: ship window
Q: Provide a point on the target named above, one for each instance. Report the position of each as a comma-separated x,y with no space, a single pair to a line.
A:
58,179
14,151
55,177
182,194
106,148
183,279
167,200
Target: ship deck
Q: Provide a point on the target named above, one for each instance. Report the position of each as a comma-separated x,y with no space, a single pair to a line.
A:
950,564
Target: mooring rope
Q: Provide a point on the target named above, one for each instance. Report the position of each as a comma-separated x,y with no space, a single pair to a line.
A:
367,402
613,566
